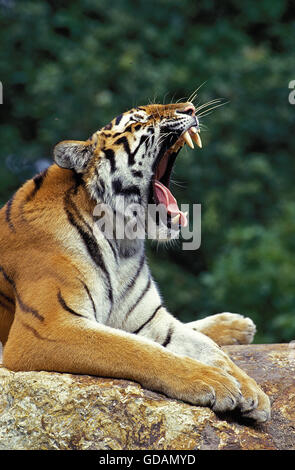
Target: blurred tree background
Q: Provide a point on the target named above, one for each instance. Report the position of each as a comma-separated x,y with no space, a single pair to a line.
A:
67,68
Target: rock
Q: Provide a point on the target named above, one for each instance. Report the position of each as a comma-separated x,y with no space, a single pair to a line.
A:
44,410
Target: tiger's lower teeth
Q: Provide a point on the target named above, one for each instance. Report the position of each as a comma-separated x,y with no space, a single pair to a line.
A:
175,219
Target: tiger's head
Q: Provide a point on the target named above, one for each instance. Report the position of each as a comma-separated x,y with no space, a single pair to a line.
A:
133,156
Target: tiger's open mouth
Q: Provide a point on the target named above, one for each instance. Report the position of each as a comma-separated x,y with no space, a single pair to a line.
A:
164,165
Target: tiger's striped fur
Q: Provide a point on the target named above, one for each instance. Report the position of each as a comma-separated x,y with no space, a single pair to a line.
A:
71,301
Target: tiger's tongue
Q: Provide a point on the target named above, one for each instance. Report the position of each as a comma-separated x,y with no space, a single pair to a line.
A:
165,197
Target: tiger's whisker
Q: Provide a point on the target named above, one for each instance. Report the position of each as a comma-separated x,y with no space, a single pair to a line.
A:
204,113
204,105
194,94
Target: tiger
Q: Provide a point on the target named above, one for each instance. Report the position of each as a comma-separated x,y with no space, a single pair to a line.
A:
74,300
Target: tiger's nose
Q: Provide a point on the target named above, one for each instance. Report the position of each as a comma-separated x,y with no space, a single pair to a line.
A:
189,110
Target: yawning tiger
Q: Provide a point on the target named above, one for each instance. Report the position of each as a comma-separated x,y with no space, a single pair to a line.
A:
74,300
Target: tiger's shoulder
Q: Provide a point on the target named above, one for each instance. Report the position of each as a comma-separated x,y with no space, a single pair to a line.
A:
39,200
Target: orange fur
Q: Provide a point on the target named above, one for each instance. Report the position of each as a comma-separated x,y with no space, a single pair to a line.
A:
43,274
50,339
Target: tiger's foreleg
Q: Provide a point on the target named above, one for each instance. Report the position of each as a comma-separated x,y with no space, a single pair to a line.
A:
65,343
181,340
226,328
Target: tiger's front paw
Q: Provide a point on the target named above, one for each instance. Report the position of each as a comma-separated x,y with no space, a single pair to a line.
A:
223,387
206,386
226,328
254,403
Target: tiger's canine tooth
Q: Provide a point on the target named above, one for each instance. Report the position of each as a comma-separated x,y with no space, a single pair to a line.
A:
197,139
188,139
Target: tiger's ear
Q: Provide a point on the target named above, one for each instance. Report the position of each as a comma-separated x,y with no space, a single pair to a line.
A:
73,154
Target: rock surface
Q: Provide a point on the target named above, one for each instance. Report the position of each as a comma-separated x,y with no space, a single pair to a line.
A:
42,410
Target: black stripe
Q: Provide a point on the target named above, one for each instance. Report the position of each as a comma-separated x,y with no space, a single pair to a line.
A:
8,279
93,250
130,190
24,307
118,119
90,297
150,319
131,155
78,178
139,299
98,217
38,181
71,203
117,186
35,333
127,191
152,140
8,299
137,173
88,239
116,134
8,214
115,253
101,183
110,155
129,128
133,280
143,139
168,337
133,127
123,140
66,307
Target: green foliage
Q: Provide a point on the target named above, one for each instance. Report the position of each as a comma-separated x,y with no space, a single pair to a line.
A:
67,68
